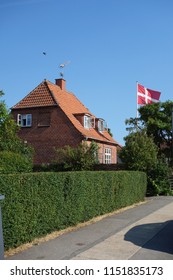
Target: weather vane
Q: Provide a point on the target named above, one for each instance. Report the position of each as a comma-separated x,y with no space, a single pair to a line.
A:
61,66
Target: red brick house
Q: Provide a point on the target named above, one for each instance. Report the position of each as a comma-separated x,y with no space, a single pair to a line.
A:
51,117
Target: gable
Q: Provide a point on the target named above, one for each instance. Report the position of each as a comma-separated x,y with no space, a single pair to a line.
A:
40,96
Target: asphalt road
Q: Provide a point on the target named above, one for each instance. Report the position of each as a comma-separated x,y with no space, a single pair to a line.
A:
142,232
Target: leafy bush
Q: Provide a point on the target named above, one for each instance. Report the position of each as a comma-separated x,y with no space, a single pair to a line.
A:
158,179
82,157
9,140
38,203
11,162
141,153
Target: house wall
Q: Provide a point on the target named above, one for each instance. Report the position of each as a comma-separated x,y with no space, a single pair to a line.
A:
46,138
101,152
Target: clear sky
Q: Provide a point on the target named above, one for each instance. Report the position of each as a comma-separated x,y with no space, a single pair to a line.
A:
110,44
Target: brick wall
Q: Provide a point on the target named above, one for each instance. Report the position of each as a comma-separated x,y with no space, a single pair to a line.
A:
101,152
50,129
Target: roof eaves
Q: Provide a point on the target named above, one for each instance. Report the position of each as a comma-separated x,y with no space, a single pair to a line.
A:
28,107
100,140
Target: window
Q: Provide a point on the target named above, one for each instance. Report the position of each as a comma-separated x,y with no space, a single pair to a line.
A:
108,154
102,125
24,120
89,122
86,121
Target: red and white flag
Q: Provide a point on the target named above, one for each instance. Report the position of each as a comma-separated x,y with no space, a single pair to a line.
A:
146,95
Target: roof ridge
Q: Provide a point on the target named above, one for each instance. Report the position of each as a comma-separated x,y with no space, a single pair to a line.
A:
51,92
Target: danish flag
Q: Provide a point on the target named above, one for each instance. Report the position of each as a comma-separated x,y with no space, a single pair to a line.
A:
146,95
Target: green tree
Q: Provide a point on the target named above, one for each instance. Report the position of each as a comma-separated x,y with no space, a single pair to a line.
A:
156,119
8,129
82,157
11,162
110,133
141,153
9,140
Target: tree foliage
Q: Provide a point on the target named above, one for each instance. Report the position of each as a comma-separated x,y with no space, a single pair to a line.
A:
140,152
148,146
156,119
9,140
82,157
11,162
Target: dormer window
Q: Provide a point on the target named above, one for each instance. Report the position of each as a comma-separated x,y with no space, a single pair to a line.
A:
102,126
89,122
24,120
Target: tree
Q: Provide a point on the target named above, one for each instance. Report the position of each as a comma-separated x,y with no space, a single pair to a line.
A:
110,133
141,153
8,129
9,140
82,157
156,119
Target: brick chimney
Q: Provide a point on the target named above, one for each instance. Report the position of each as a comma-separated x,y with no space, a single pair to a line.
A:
61,83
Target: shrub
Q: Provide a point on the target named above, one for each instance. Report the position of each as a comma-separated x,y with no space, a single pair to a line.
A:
141,153
11,162
82,157
158,180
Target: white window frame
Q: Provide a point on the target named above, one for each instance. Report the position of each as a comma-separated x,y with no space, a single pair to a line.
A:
86,121
89,122
102,125
108,155
24,120
92,122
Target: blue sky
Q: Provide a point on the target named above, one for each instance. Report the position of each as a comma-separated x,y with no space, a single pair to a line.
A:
110,44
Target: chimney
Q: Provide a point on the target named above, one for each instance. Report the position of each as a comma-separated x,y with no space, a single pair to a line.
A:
61,83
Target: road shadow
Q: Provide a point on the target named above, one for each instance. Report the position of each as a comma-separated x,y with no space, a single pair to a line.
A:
154,236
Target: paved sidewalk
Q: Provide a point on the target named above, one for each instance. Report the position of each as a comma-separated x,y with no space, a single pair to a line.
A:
142,232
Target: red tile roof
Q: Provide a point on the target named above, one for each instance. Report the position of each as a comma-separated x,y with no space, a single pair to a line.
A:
40,96
49,94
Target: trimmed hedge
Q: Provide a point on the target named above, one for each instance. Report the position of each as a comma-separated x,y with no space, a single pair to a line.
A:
38,203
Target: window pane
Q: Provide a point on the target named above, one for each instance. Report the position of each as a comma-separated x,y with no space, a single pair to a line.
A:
29,119
25,120
86,121
108,153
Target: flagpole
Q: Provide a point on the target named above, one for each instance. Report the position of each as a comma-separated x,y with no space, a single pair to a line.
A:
172,135
136,104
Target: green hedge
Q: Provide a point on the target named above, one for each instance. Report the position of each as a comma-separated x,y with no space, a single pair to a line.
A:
38,203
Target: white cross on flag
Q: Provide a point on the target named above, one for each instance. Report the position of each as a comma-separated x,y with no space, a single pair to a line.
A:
146,95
